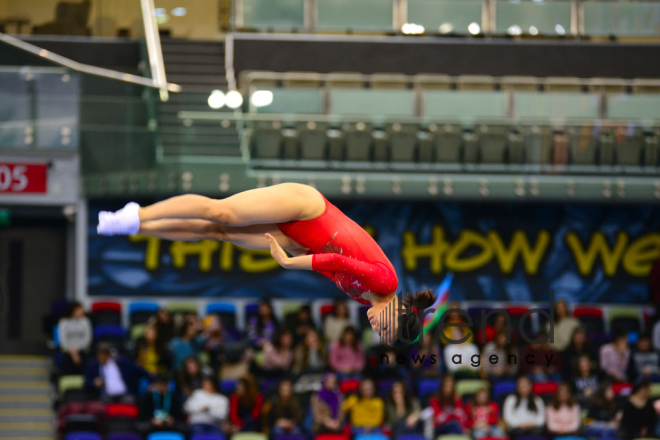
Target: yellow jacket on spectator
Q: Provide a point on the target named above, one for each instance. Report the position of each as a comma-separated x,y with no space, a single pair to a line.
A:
364,412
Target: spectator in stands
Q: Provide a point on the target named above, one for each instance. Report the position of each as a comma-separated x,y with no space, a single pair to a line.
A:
448,329
586,381
387,367
614,357
112,378
302,323
190,377
206,409
563,414
426,357
75,332
278,354
245,407
346,356
564,326
188,344
284,413
310,355
544,364
214,340
523,412
164,327
160,410
460,358
483,416
504,351
326,404
603,418
491,330
639,417
262,326
578,347
644,364
149,354
449,415
365,411
334,325
403,411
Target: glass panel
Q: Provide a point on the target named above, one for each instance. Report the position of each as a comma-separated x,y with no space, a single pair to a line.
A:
273,14
548,17
643,107
359,15
622,18
464,105
57,103
372,102
15,115
445,16
556,105
304,101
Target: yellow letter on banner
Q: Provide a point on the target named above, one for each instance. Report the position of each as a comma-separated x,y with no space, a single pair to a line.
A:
411,251
598,245
641,254
519,246
152,253
465,240
204,249
256,261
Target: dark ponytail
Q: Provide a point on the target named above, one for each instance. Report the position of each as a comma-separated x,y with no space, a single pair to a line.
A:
410,322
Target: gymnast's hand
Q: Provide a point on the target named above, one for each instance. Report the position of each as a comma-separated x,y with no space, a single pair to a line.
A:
303,262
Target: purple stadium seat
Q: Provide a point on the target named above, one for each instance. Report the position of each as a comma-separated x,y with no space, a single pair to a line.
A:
290,437
208,437
426,387
411,437
124,436
82,435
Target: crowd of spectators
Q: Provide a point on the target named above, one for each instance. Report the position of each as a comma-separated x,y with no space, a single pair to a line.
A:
293,377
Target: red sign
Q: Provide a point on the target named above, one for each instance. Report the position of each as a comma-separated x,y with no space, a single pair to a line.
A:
23,178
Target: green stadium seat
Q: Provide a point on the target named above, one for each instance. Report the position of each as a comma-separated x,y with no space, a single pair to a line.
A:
607,85
624,318
70,382
336,144
448,141
646,85
284,14
516,141
492,143
629,143
182,307
313,140
425,146
556,105
267,140
403,139
350,15
464,105
606,145
444,16
515,82
372,102
301,80
651,146
358,141
249,436
538,144
137,331
475,82
548,18
562,84
633,107
582,145
290,143
470,147
294,101
388,81
433,81
380,145
453,437
470,386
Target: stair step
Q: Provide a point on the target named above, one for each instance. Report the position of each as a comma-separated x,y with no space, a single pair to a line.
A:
191,58
205,47
33,371
40,397
24,385
195,69
26,418
14,405
191,78
18,426
28,435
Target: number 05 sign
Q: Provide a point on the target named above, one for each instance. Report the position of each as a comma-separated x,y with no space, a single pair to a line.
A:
23,178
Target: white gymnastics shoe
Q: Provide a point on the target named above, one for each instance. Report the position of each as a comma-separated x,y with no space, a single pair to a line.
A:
126,221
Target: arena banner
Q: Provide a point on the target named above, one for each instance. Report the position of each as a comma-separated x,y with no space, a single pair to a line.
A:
510,252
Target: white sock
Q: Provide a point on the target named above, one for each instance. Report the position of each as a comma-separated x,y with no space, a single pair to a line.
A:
126,221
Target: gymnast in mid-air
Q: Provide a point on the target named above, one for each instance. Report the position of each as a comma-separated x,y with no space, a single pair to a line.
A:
292,217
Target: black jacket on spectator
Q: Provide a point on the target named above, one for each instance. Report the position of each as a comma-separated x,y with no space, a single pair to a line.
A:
130,373
635,419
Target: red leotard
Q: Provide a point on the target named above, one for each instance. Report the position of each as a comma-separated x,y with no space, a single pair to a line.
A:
344,252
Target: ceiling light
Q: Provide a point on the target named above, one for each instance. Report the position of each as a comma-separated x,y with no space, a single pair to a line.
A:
217,99
233,99
179,12
533,30
514,29
446,28
474,28
412,29
262,98
560,29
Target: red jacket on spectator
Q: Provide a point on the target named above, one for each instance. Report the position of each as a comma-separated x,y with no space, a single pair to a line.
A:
446,413
234,412
487,413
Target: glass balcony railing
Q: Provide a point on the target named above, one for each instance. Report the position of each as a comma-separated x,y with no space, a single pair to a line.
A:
438,17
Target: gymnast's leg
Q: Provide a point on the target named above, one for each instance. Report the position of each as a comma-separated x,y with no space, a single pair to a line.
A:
249,237
274,204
